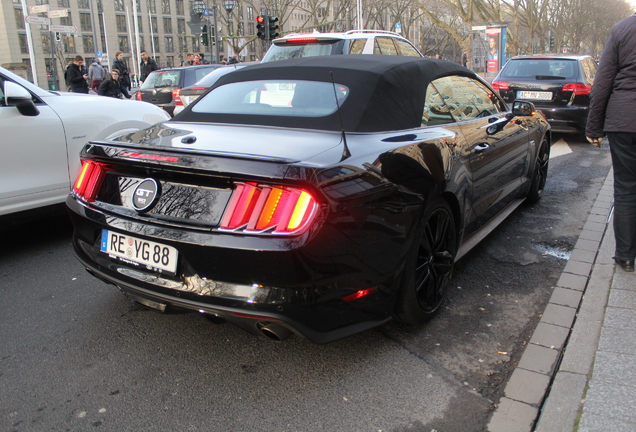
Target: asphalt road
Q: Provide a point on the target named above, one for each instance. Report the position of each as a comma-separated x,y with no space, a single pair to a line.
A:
76,355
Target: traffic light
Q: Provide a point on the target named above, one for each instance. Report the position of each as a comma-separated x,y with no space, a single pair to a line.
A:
261,31
551,41
273,27
204,35
58,37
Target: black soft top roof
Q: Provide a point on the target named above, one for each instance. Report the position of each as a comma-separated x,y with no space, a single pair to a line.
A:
386,92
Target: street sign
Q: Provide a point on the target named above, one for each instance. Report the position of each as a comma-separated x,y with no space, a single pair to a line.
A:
207,12
398,28
63,28
99,53
38,9
60,13
37,20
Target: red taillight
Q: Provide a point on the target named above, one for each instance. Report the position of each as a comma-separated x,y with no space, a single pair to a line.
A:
578,88
500,85
138,97
176,96
258,208
359,294
304,40
89,180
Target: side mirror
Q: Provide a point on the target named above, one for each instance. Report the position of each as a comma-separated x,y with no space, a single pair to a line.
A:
522,108
18,96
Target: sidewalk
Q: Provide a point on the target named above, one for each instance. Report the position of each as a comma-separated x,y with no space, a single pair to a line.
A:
578,371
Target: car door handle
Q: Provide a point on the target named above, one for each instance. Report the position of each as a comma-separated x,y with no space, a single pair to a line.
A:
481,147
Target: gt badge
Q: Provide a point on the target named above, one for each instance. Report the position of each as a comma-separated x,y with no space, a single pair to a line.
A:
145,195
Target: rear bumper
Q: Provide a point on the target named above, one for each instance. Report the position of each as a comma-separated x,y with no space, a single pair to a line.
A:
300,294
569,119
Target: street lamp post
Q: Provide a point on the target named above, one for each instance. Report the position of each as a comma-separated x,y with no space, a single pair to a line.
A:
200,8
229,6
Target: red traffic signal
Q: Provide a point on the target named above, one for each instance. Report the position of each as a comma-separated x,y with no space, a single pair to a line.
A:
261,28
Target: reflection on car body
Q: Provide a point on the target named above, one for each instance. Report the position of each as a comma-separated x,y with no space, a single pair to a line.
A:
319,197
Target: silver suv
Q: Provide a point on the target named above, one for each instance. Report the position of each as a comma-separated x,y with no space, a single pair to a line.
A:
351,42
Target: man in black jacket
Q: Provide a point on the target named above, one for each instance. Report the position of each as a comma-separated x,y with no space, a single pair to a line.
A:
612,112
112,87
122,67
147,65
77,75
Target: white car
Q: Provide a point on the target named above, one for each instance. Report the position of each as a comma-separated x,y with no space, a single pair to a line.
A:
43,133
377,42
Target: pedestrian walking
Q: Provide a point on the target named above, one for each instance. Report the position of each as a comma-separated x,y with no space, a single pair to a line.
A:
96,74
465,59
610,112
112,87
203,59
147,65
77,75
122,67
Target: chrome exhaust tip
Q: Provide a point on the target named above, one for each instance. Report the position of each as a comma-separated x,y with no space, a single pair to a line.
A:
274,331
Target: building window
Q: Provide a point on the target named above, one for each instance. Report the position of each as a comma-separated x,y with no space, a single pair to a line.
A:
169,44
181,26
119,5
24,48
41,2
123,43
167,25
152,7
100,7
64,3
85,21
19,18
67,21
68,42
142,46
179,4
241,28
121,23
140,25
250,13
196,45
165,6
155,41
170,61
153,22
83,4
88,43
46,42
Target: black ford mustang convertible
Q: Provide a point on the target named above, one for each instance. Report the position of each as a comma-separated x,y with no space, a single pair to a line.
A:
320,196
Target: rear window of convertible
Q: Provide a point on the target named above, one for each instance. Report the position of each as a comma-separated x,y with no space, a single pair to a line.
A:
294,98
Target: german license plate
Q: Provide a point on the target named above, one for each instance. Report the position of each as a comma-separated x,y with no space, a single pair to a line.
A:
535,95
141,253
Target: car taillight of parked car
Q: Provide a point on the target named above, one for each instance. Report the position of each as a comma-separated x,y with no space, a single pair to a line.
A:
578,88
89,180
500,85
176,96
256,208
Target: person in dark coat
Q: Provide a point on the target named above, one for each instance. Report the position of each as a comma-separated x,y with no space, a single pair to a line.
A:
122,67
611,112
112,87
147,65
77,75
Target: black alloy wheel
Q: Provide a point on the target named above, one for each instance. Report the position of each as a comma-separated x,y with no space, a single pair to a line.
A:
540,173
429,266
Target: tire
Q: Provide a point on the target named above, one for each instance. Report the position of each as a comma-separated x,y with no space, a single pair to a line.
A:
540,174
429,266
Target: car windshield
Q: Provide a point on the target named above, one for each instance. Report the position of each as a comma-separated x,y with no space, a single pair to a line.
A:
158,79
274,98
294,50
531,68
